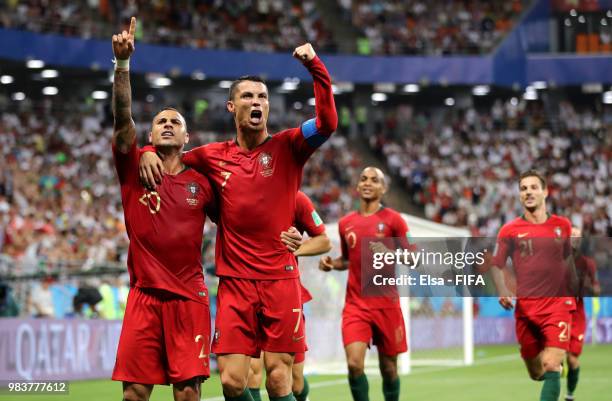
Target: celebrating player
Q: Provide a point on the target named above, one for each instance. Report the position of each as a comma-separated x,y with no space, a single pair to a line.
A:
587,285
539,246
166,330
256,177
373,319
306,220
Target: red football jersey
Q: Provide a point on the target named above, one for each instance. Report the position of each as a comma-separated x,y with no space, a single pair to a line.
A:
539,253
307,220
165,228
257,189
354,227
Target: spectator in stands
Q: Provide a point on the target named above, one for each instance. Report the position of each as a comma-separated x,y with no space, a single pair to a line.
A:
41,299
8,304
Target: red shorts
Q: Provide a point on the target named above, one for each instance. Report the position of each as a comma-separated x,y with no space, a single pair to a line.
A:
382,327
536,332
578,329
165,339
255,315
301,356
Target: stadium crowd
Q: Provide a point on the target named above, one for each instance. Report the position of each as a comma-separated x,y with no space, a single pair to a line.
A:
430,28
251,25
462,166
383,27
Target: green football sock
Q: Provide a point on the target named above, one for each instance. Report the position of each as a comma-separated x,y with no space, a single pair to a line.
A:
304,394
359,388
391,389
245,396
288,397
552,386
255,393
572,380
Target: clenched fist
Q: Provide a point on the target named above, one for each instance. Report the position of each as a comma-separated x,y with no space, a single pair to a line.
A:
304,53
123,43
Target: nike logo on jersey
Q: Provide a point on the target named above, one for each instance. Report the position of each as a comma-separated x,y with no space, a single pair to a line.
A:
296,339
522,235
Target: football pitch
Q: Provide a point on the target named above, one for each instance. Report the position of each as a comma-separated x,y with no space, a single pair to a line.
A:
498,374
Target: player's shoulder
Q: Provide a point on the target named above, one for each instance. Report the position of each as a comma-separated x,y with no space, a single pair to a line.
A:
348,218
214,147
391,214
285,135
302,200
562,221
510,226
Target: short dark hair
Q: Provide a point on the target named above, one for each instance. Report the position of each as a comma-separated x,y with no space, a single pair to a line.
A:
533,173
171,109
254,78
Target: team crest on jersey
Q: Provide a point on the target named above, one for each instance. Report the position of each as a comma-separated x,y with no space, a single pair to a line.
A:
558,231
380,230
265,160
192,193
217,335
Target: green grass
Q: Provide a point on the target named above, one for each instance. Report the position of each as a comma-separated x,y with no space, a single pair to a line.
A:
498,374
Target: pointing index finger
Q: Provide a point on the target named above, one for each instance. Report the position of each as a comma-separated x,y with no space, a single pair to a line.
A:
132,26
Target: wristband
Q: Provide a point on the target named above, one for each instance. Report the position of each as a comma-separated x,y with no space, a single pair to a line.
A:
122,64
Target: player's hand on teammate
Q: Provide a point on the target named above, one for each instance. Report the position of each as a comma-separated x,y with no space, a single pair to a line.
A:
304,53
326,263
151,170
292,239
123,43
506,302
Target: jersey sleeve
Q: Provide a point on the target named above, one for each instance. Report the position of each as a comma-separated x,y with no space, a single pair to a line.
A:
402,233
306,217
343,245
197,159
567,243
194,158
211,205
314,132
503,248
126,164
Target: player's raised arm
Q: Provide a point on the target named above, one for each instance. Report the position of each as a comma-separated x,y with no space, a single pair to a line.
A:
124,133
317,130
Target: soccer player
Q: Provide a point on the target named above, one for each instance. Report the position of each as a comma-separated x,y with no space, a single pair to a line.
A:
587,285
373,319
165,336
256,177
539,246
306,220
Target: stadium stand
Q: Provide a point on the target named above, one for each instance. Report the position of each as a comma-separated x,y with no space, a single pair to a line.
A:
263,26
431,28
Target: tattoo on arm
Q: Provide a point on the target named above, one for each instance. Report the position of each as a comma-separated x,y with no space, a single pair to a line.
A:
124,128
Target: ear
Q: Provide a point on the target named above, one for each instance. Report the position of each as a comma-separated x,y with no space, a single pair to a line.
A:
231,107
546,192
186,138
150,136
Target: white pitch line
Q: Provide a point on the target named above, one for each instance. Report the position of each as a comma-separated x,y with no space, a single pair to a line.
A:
483,361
